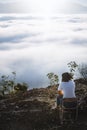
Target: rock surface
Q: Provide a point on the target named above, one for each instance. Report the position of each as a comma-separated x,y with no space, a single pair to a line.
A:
35,110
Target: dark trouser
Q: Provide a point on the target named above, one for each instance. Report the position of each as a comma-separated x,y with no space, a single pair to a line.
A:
70,102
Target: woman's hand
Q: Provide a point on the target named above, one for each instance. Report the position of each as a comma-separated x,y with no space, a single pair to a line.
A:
60,92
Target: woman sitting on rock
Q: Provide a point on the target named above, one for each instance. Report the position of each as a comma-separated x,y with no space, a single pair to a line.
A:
66,88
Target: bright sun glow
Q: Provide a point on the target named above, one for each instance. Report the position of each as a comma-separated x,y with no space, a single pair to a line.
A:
44,7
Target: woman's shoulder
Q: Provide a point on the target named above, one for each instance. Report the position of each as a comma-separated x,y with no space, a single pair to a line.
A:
65,83
70,81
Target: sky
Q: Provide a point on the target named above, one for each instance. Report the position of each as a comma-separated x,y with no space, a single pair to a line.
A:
43,6
41,36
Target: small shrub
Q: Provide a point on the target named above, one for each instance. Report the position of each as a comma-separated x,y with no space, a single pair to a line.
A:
21,87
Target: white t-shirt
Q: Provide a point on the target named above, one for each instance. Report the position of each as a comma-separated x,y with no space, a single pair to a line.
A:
68,89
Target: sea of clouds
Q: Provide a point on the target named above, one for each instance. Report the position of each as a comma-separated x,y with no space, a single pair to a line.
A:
35,46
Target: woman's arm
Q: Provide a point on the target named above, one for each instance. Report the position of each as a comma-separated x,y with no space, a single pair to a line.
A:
60,91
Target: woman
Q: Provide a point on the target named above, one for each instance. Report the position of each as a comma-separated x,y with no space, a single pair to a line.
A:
66,89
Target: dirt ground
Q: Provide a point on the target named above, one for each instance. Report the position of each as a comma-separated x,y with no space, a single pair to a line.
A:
35,110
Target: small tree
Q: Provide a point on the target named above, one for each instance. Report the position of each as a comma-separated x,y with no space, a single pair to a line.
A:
4,83
72,67
8,83
53,78
13,80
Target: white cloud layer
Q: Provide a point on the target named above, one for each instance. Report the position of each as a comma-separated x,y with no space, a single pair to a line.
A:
35,46
43,7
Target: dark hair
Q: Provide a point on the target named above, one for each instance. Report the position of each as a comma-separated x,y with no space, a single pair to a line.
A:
66,77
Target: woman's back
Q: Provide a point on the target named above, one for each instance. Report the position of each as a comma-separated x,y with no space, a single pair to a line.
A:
68,89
